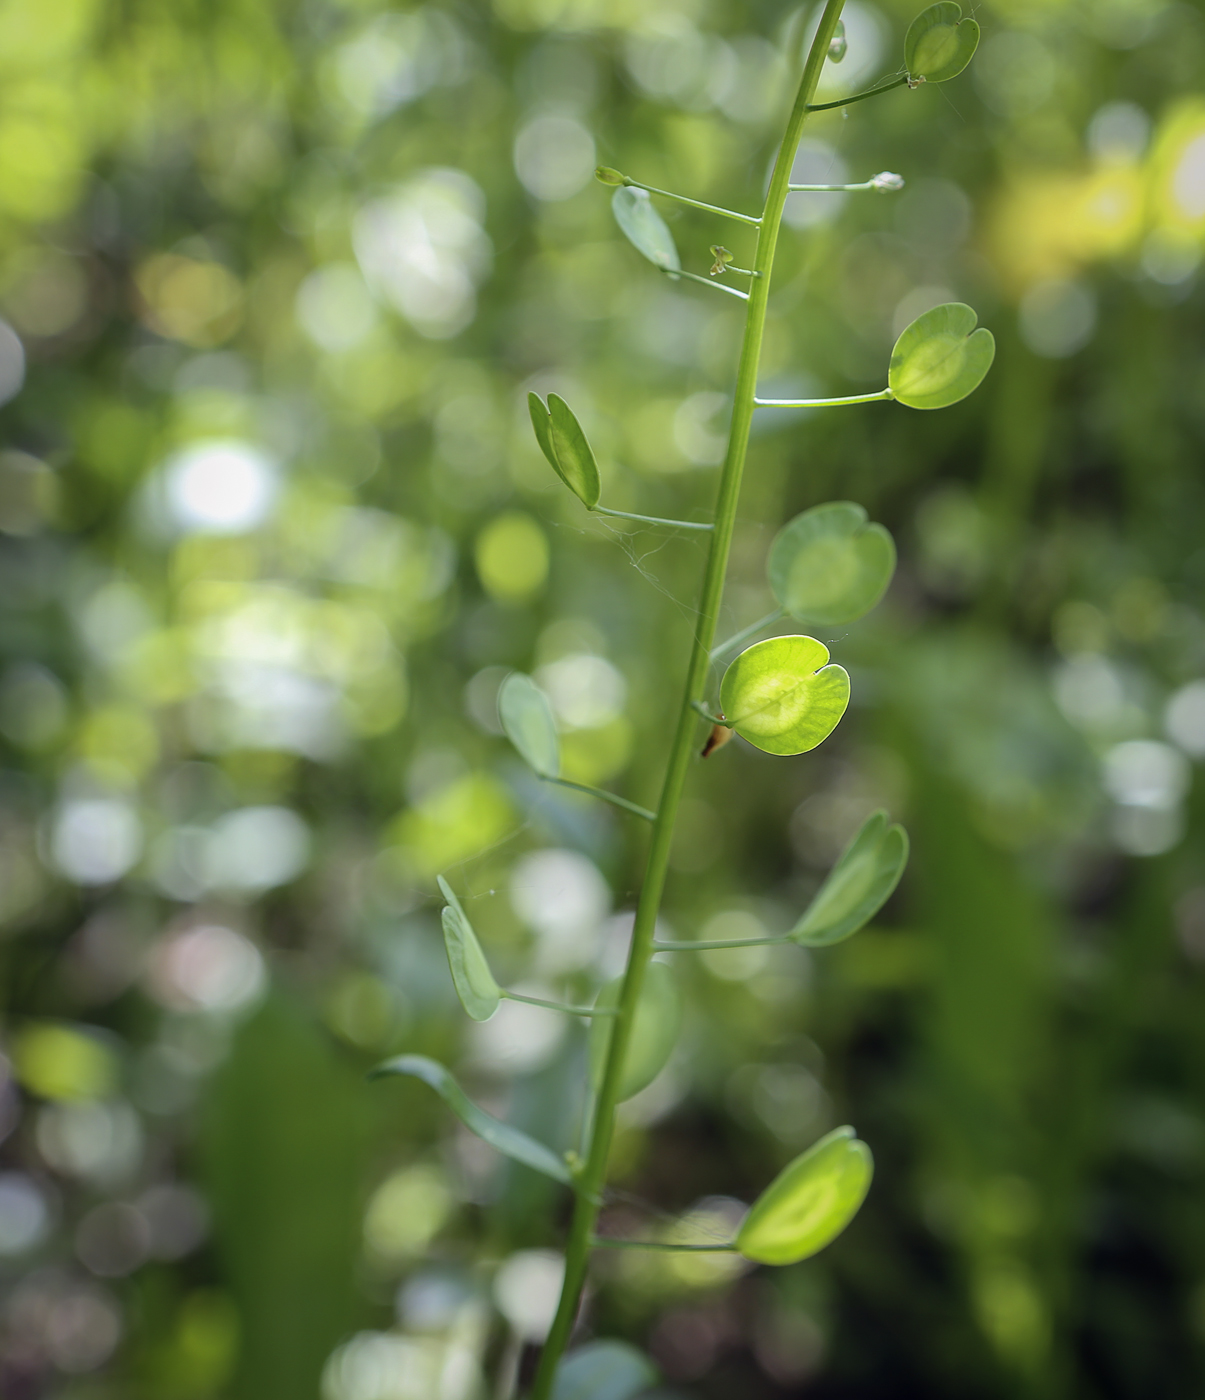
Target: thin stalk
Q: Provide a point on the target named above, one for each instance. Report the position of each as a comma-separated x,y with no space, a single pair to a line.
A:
600,1242
654,519
701,709
695,203
611,797
705,281
880,397
562,1006
593,1174
831,189
861,96
703,945
746,632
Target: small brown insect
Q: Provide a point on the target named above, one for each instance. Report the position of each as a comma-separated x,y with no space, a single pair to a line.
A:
719,736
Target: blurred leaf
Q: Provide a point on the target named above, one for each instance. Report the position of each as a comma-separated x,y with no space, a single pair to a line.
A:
644,228
603,1371
858,885
654,1034
829,565
782,697
940,43
809,1202
565,445
527,721
285,1134
475,986
500,1136
941,357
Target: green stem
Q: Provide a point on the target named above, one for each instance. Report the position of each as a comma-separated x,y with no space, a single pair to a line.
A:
695,203
705,281
746,632
593,1174
600,1242
881,396
700,709
701,946
611,797
654,519
831,189
561,1006
861,96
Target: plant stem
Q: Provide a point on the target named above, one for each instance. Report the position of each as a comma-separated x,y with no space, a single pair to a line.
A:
600,1242
561,1006
746,632
695,203
593,1174
859,97
880,397
654,519
706,281
701,946
611,797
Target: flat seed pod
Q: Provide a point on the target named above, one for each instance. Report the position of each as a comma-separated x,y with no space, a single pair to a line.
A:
565,445
658,1020
941,357
603,1371
809,1202
475,986
830,565
781,695
500,1136
940,43
644,228
527,722
858,885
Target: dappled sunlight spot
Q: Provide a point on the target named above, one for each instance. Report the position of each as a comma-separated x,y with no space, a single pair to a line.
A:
406,1212
518,1039
527,1287
1057,318
113,1240
586,691
335,308
258,848
396,58
1184,718
95,840
1148,782
63,1062
554,157
733,964
816,163
564,899
389,1366
223,486
512,557
456,820
29,489
99,1142
74,1324
198,303
423,250
25,1216
206,967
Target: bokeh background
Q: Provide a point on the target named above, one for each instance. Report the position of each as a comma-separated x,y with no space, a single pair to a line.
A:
274,279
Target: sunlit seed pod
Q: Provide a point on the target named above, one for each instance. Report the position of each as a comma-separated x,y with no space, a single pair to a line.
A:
838,45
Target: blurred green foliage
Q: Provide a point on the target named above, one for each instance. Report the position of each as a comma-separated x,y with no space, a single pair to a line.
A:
276,280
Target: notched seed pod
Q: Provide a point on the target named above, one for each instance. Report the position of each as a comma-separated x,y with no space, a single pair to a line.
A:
719,736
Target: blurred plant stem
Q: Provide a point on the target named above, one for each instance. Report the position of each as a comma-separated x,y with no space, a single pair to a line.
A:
593,1175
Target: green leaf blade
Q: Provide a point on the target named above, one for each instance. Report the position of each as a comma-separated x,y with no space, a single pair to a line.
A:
830,565
940,358
527,721
501,1136
479,994
782,697
574,459
940,43
810,1202
644,228
603,1371
654,1034
857,887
